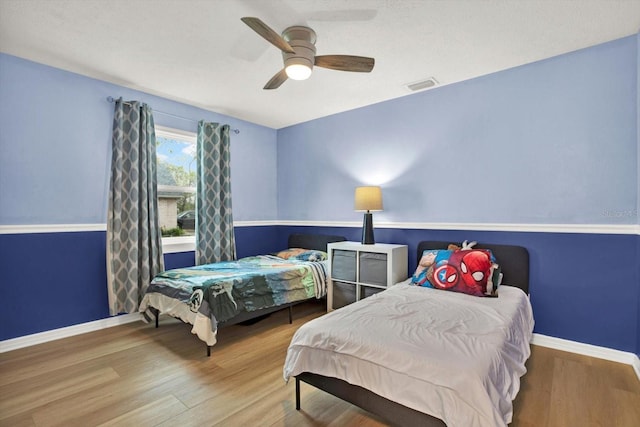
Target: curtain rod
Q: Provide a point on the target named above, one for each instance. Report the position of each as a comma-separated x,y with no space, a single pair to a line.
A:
112,100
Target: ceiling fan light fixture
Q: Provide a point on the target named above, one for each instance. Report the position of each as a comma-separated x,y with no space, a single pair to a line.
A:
298,65
298,71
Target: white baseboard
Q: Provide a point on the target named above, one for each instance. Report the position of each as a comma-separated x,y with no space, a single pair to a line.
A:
589,350
69,331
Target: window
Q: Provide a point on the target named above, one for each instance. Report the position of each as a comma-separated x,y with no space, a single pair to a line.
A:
176,157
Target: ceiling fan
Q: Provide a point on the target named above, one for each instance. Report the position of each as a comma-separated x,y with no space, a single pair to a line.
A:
298,48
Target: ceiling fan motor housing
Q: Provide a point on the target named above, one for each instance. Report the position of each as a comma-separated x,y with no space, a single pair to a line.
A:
302,40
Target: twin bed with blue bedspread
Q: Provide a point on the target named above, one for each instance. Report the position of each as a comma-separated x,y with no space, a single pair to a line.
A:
225,293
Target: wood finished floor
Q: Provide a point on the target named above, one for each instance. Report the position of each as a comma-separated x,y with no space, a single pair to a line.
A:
136,375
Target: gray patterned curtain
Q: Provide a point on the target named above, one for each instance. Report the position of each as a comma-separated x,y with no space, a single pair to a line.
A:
134,241
215,240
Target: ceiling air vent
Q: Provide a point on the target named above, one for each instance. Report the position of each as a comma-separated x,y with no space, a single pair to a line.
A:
422,84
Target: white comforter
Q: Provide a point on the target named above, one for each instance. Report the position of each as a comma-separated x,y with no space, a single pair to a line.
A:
454,356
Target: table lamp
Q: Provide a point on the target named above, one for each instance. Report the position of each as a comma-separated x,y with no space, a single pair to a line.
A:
368,199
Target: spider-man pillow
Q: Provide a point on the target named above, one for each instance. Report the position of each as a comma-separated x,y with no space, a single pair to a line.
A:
472,272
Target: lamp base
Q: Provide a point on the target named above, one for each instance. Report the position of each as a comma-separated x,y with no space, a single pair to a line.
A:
367,229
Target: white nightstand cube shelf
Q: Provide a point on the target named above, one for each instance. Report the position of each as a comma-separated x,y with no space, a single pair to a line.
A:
357,271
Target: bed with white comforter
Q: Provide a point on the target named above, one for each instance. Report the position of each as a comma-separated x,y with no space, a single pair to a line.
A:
453,356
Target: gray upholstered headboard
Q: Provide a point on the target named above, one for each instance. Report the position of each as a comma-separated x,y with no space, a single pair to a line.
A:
313,241
513,260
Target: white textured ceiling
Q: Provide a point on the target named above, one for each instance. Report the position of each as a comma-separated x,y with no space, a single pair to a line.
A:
199,52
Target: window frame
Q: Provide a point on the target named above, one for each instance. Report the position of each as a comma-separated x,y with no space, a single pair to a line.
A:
179,243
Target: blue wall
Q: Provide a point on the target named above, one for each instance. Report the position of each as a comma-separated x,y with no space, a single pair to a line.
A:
582,286
56,142
638,174
53,280
551,143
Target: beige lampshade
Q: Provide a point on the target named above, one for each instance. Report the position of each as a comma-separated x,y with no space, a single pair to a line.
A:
368,199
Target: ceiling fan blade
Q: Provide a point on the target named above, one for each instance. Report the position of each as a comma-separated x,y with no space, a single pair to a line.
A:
268,34
360,64
277,80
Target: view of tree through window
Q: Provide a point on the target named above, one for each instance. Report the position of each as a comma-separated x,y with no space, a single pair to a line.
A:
176,157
